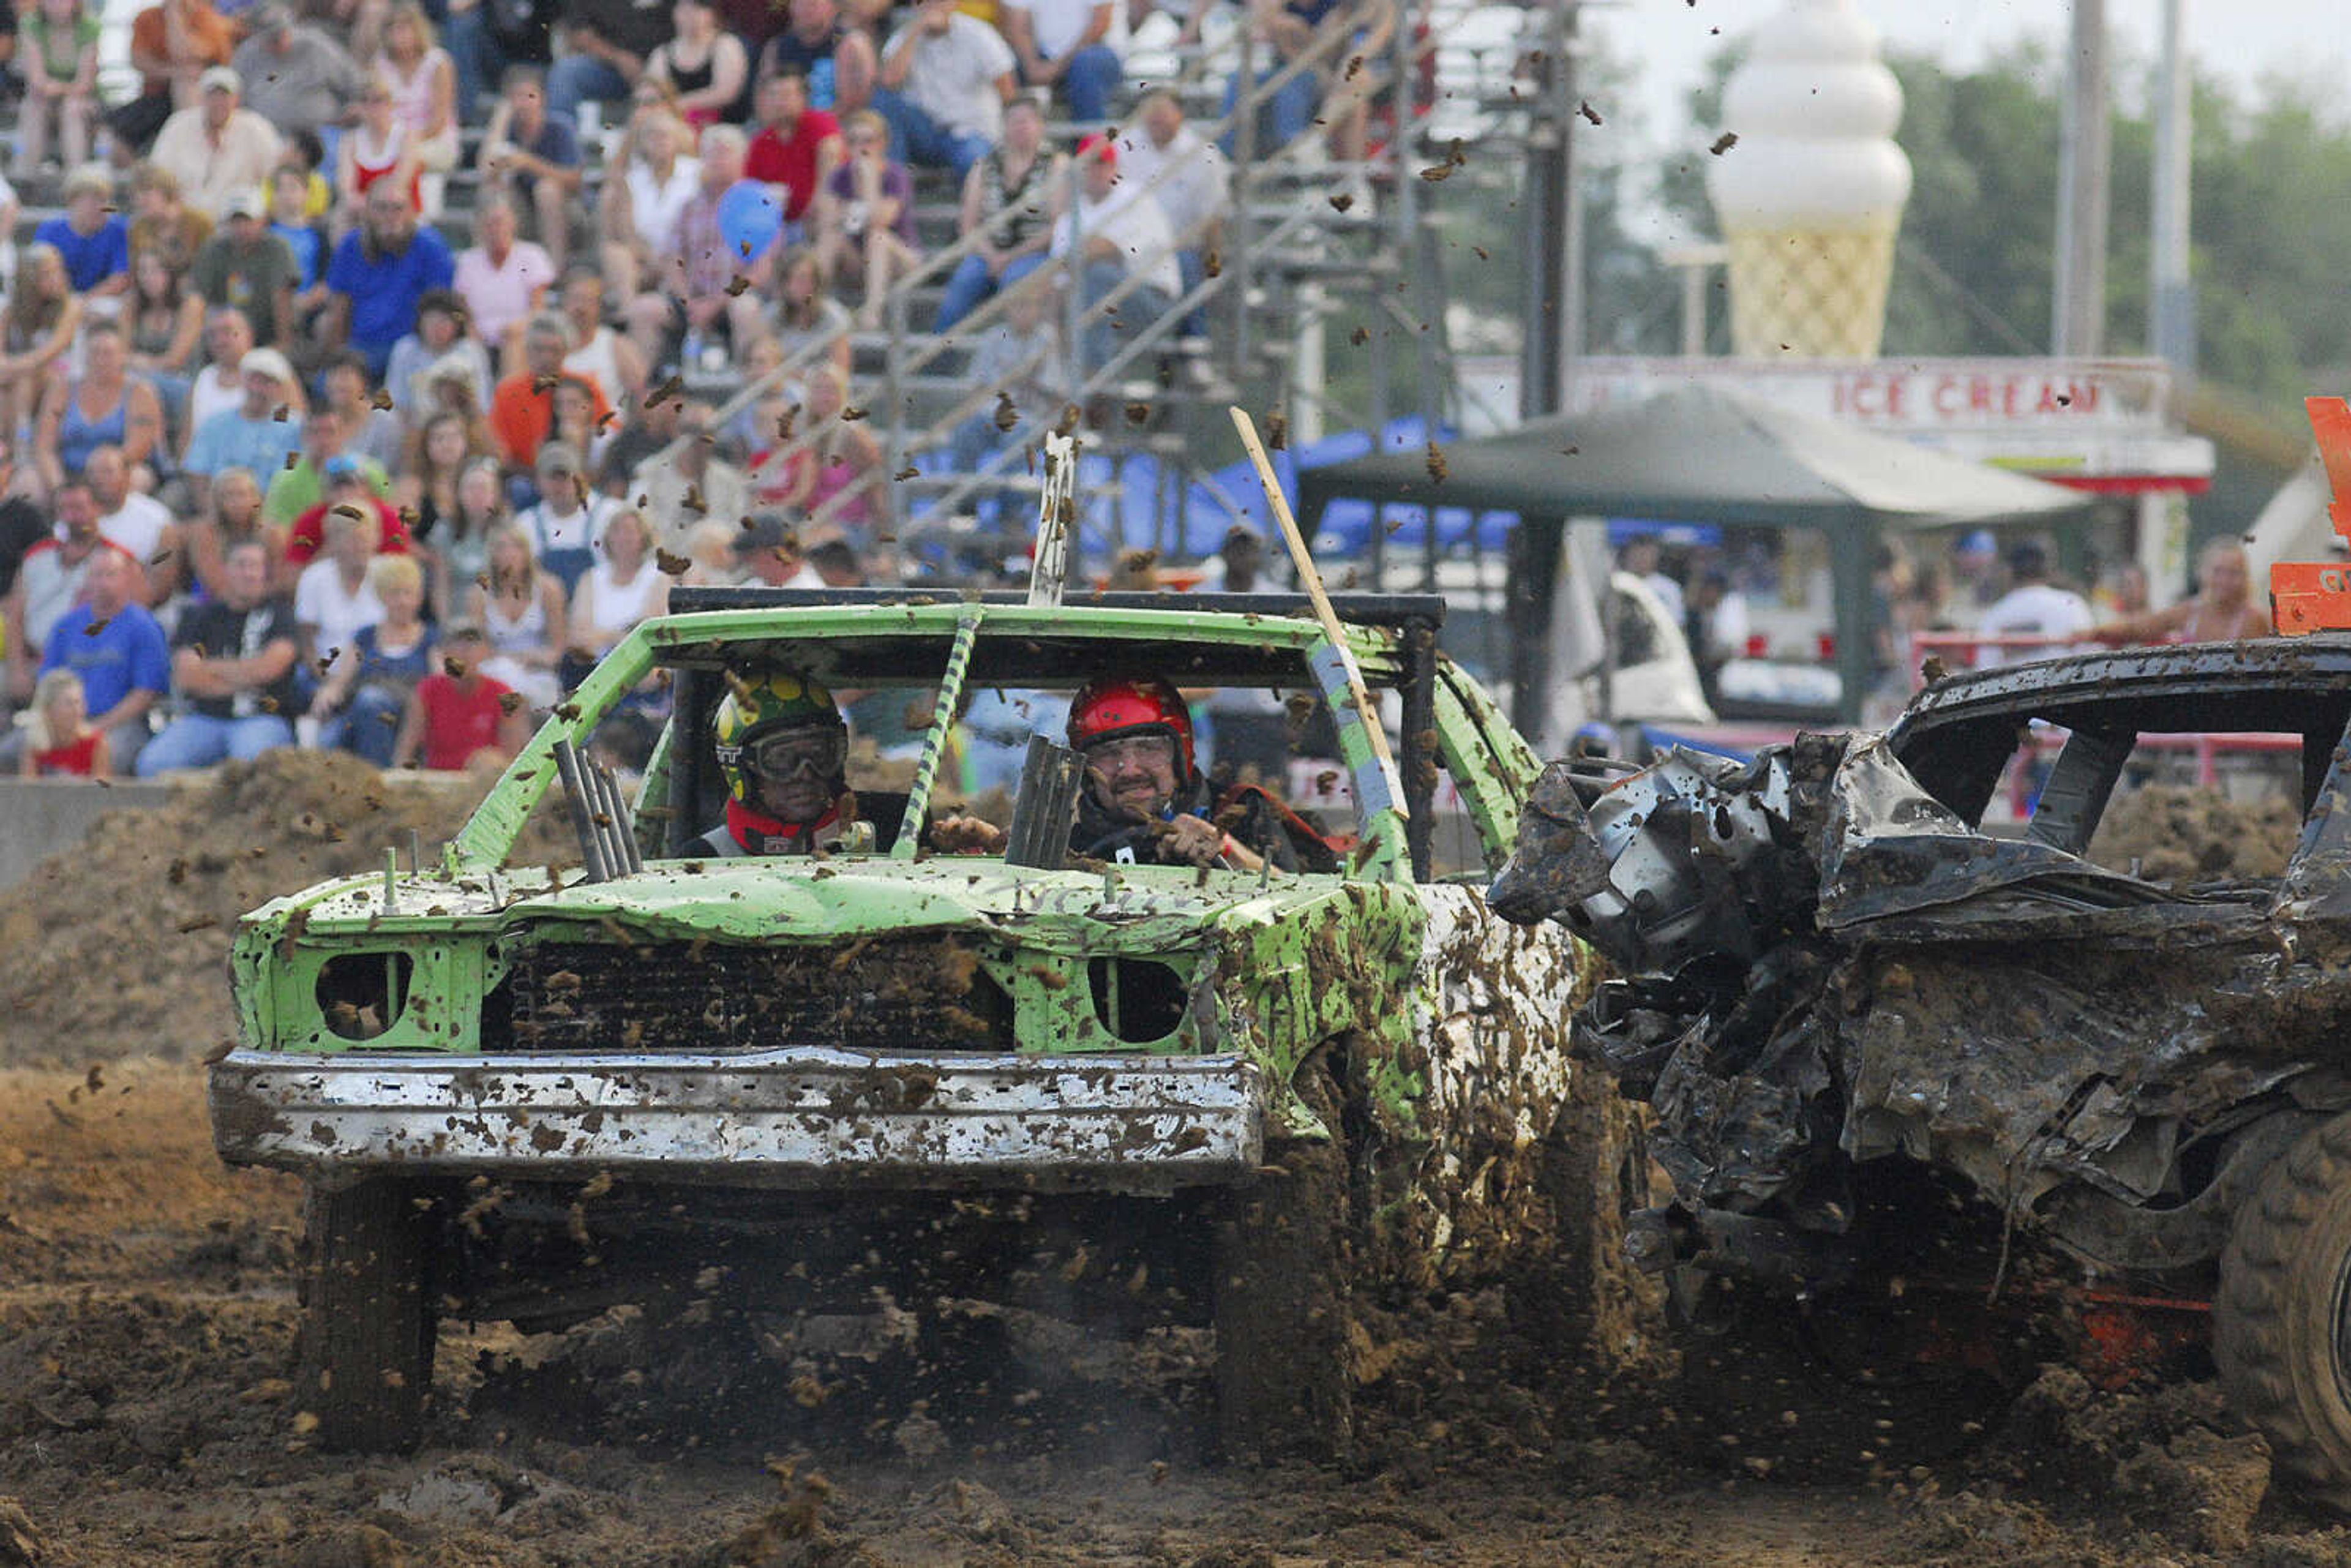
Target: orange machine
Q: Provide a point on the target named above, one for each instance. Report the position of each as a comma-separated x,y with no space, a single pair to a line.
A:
2316,596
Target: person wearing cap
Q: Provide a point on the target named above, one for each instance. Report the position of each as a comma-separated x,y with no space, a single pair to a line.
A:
245,266
945,78
296,76
379,274
218,147
769,550
89,234
349,489
1115,233
250,435
290,492
2032,607
567,523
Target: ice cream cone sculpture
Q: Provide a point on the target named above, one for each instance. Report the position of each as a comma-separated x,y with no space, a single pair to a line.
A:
1810,192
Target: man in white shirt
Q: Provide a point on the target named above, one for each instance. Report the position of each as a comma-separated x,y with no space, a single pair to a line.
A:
1117,234
1063,41
1186,174
217,147
141,525
945,80
2032,607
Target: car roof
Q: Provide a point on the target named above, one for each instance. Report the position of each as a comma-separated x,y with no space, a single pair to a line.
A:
883,637
1955,736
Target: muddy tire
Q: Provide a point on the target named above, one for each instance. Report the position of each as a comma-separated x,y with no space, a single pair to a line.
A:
2282,1320
368,1323
1283,1263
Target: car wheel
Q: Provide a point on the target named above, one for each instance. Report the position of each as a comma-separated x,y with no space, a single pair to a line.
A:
2282,1320
1281,1298
368,1318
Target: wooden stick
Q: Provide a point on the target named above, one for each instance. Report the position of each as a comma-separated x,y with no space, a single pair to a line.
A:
1312,580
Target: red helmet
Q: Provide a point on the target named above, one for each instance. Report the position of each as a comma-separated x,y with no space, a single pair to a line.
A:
1116,705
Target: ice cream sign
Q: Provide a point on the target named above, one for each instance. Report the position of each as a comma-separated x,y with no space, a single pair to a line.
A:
1909,395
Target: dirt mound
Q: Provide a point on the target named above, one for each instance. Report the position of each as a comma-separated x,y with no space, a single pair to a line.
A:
116,946
2179,834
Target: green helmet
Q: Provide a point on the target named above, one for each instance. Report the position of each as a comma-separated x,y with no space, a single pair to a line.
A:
762,706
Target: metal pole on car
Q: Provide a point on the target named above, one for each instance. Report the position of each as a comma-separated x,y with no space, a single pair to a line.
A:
1311,579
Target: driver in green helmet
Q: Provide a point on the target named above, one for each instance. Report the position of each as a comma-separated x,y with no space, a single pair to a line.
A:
783,749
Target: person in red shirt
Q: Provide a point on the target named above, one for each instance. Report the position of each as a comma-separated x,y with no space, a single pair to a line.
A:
347,487
797,148
458,713
60,741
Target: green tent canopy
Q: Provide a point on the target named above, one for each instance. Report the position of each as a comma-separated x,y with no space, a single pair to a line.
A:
1703,454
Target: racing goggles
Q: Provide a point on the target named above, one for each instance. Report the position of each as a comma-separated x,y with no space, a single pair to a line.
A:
785,756
1144,750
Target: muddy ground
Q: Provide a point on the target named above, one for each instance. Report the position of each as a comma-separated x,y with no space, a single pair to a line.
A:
147,1337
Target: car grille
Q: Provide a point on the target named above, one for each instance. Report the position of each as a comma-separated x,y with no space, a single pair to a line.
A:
882,993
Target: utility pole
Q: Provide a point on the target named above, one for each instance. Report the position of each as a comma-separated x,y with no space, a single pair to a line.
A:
2084,164
1552,216
2171,297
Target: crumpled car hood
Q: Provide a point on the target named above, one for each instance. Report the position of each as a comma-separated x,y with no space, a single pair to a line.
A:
1890,849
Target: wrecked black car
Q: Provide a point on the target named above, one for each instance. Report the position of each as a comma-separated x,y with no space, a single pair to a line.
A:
1893,1057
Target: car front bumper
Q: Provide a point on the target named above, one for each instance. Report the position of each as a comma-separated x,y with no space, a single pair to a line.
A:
804,1117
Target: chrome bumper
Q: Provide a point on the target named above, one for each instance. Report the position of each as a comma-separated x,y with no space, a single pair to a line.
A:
806,1117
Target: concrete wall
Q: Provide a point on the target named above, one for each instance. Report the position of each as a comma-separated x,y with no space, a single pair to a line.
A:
41,817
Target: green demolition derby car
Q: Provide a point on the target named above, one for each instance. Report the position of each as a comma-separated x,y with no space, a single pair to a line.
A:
805,1084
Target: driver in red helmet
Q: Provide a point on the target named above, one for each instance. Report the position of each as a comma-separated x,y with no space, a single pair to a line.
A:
1145,801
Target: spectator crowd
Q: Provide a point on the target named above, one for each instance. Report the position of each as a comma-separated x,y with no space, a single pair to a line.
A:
356,391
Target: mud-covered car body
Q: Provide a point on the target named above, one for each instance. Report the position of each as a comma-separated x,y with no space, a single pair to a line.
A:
1868,974
1886,1050
1964,1101
744,1045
